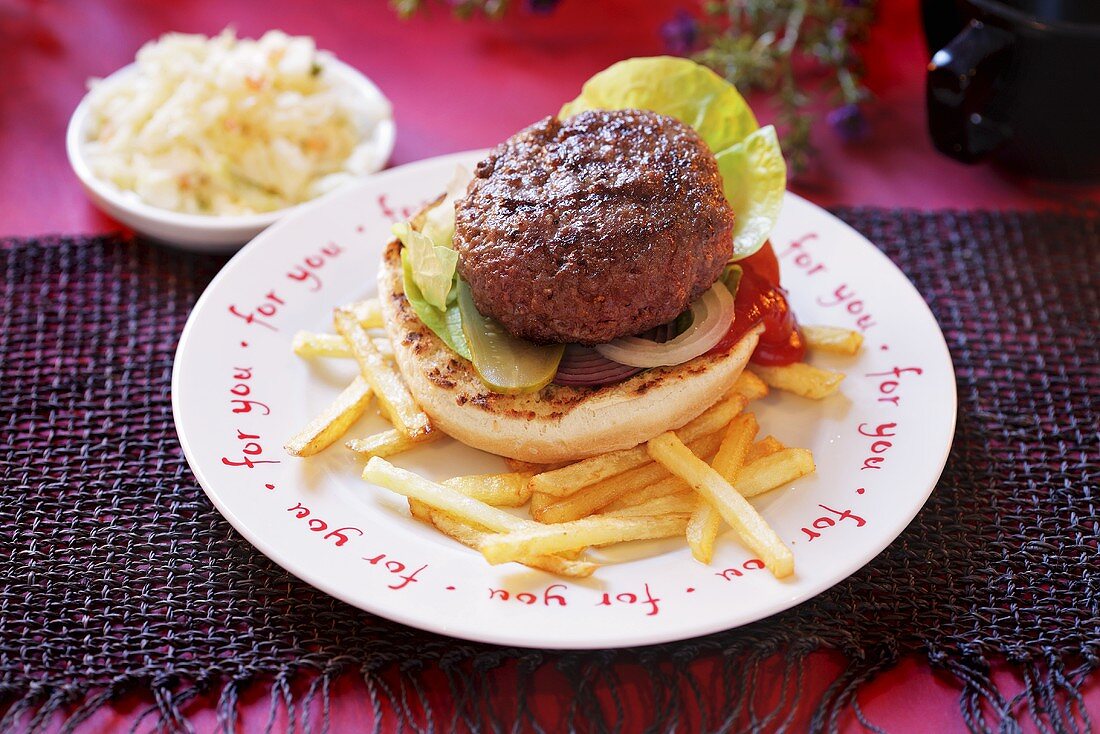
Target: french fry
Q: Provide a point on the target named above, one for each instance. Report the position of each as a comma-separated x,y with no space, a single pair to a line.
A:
774,470
473,537
702,529
539,502
332,422
598,530
832,339
520,465
384,346
763,447
568,479
499,490
735,445
681,503
500,497
750,386
420,511
439,497
663,488
383,378
801,379
313,344
390,442
368,313
595,496
754,479
530,466
734,509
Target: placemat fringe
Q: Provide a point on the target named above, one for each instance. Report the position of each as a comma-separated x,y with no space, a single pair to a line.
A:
229,700
841,695
1051,698
679,699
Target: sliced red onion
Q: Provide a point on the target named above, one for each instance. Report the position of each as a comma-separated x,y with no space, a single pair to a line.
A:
711,318
582,366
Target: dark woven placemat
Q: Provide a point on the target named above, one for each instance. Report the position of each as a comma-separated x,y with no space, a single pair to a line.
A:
118,573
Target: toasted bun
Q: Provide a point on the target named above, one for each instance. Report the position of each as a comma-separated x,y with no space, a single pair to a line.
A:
557,423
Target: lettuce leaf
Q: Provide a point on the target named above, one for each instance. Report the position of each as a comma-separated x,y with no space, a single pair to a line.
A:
439,221
432,268
429,267
446,322
755,178
754,172
731,277
676,87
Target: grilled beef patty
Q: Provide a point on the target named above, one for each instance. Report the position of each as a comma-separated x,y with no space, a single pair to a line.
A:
599,226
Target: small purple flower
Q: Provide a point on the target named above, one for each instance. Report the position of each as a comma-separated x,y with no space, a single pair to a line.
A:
542,6
853,3
838,29
681,33
849,123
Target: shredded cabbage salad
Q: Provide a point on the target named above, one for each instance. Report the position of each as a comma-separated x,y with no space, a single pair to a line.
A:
229,126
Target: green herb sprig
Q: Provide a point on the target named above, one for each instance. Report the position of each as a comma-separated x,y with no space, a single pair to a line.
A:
800,51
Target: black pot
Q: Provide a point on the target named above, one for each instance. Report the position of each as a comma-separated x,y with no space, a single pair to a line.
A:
1017,81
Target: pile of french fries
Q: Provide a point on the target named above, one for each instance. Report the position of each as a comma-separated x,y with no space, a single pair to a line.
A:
688,482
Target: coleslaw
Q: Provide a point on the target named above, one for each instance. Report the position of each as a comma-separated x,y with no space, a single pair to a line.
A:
224,125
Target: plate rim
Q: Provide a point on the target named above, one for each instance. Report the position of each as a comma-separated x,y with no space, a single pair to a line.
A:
639,638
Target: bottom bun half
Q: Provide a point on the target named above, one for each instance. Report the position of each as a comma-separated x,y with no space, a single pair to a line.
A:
557,423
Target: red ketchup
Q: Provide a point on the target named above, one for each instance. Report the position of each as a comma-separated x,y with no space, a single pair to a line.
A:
760,298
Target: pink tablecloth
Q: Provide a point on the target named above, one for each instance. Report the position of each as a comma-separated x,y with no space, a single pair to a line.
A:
457,87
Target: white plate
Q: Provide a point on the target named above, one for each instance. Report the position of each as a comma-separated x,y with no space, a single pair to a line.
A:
236,348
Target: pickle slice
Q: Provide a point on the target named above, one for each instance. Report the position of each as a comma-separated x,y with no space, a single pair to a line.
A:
504,363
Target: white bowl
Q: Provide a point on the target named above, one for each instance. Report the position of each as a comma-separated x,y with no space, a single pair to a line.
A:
210,233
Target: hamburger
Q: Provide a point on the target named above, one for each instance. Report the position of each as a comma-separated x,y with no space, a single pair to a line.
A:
602,277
